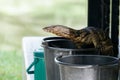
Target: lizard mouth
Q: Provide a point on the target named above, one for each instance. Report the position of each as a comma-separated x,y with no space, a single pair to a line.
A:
47,29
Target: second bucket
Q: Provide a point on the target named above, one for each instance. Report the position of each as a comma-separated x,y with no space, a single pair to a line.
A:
60,46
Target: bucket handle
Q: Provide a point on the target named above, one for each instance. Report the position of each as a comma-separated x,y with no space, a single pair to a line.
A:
33,63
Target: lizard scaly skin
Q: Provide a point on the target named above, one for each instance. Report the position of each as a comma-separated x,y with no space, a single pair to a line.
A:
85,36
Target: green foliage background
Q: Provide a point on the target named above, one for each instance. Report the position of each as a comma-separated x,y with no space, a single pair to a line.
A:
20,18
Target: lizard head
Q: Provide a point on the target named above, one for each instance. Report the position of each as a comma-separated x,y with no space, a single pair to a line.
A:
59,30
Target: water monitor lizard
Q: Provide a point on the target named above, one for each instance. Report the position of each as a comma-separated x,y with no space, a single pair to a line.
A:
85,36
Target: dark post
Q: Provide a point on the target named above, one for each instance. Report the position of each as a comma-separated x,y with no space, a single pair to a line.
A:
94,13
115,25
98,14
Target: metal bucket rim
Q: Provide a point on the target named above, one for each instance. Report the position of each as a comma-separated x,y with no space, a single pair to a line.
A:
52,39
48,39
44,44
65,49
113,63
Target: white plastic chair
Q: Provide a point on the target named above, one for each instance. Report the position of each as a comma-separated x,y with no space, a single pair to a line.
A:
29,44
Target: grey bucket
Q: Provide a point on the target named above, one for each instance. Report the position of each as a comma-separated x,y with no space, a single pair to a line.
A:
55,46
88,67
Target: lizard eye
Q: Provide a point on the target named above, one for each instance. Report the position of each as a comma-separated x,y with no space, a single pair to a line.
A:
82,33
78,32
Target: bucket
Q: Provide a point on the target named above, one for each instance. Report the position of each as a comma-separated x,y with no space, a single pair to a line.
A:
39,65
88,67
59,46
